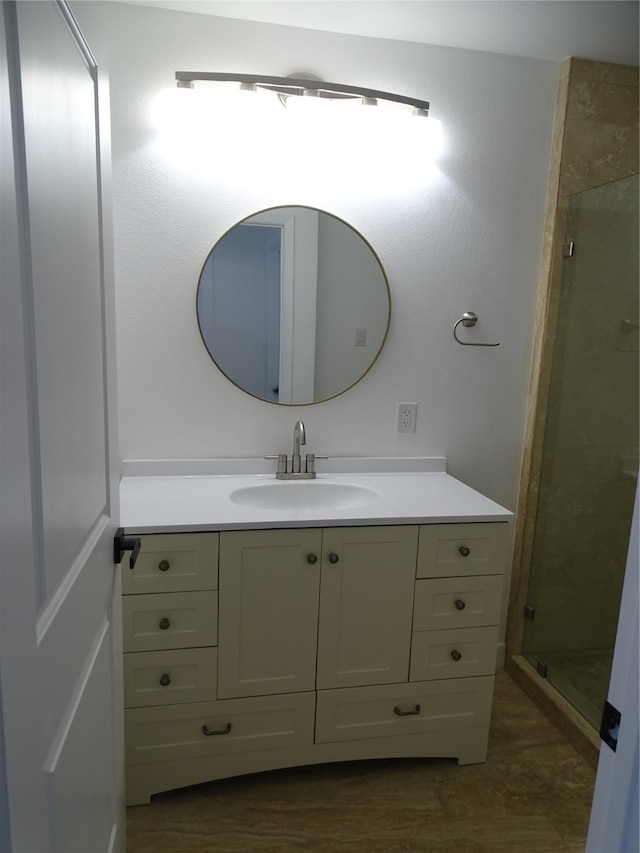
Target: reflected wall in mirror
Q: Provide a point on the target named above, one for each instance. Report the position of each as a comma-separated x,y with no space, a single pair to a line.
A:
293,305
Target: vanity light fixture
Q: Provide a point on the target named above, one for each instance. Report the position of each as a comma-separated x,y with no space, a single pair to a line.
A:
347,132
305,86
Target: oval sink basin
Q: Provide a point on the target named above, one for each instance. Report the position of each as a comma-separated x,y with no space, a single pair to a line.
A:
304,495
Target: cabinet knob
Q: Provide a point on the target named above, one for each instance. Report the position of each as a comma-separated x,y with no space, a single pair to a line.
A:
460,604
164,565
164,623
165,679
333,558
464,550
210,732
456,655
311,559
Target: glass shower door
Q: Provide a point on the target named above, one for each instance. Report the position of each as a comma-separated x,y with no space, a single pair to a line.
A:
590,456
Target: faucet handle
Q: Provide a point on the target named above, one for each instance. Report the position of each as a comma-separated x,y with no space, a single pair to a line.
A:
311,462
282,462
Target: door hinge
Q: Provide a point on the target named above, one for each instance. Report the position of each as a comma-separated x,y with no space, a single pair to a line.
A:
610,725
568,249
121,543
541,668
529,612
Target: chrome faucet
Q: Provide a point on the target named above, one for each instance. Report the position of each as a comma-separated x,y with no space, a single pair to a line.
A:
302,468
299,437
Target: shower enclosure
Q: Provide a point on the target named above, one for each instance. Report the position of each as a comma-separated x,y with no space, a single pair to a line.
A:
589,467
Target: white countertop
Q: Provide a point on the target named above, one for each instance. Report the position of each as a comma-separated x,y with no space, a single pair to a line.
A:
173,503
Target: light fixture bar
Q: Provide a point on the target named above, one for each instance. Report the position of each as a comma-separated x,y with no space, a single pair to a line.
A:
296,86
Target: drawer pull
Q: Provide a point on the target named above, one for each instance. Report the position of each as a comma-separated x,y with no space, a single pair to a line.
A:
164,623
333,558
460,604
400,713
311,559
164,565
210,732
456,655
464,550
165,679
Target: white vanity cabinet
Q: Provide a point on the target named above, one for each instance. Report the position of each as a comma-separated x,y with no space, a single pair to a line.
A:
307,645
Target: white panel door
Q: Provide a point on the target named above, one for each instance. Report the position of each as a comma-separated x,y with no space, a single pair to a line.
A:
614,821
60,670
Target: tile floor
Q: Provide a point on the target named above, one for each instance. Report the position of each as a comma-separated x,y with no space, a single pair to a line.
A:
582,678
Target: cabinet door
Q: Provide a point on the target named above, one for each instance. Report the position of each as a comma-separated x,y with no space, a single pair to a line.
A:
269,586
366,601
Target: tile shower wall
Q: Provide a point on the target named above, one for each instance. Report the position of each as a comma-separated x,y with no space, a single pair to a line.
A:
601,126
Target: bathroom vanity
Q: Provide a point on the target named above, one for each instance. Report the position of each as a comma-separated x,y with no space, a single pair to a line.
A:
258,638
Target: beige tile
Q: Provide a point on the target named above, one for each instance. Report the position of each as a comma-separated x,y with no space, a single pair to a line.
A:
585,69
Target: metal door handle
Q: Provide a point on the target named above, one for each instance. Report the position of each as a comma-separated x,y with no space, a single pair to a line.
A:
122,543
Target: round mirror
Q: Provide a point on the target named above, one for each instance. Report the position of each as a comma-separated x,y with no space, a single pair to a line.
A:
293,305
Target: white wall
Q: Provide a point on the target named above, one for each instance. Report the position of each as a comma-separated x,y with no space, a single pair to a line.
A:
470,240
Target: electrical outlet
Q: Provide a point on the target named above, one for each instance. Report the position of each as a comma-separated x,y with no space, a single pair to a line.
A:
407,413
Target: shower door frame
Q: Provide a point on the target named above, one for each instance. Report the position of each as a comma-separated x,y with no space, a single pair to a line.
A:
582,451
579,160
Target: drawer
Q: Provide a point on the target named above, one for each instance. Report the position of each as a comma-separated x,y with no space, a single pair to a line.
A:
172,620
449,550
398,709
216,728
173,562
461,652
170,677
468,602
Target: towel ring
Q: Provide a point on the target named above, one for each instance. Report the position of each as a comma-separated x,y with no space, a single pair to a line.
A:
468,320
